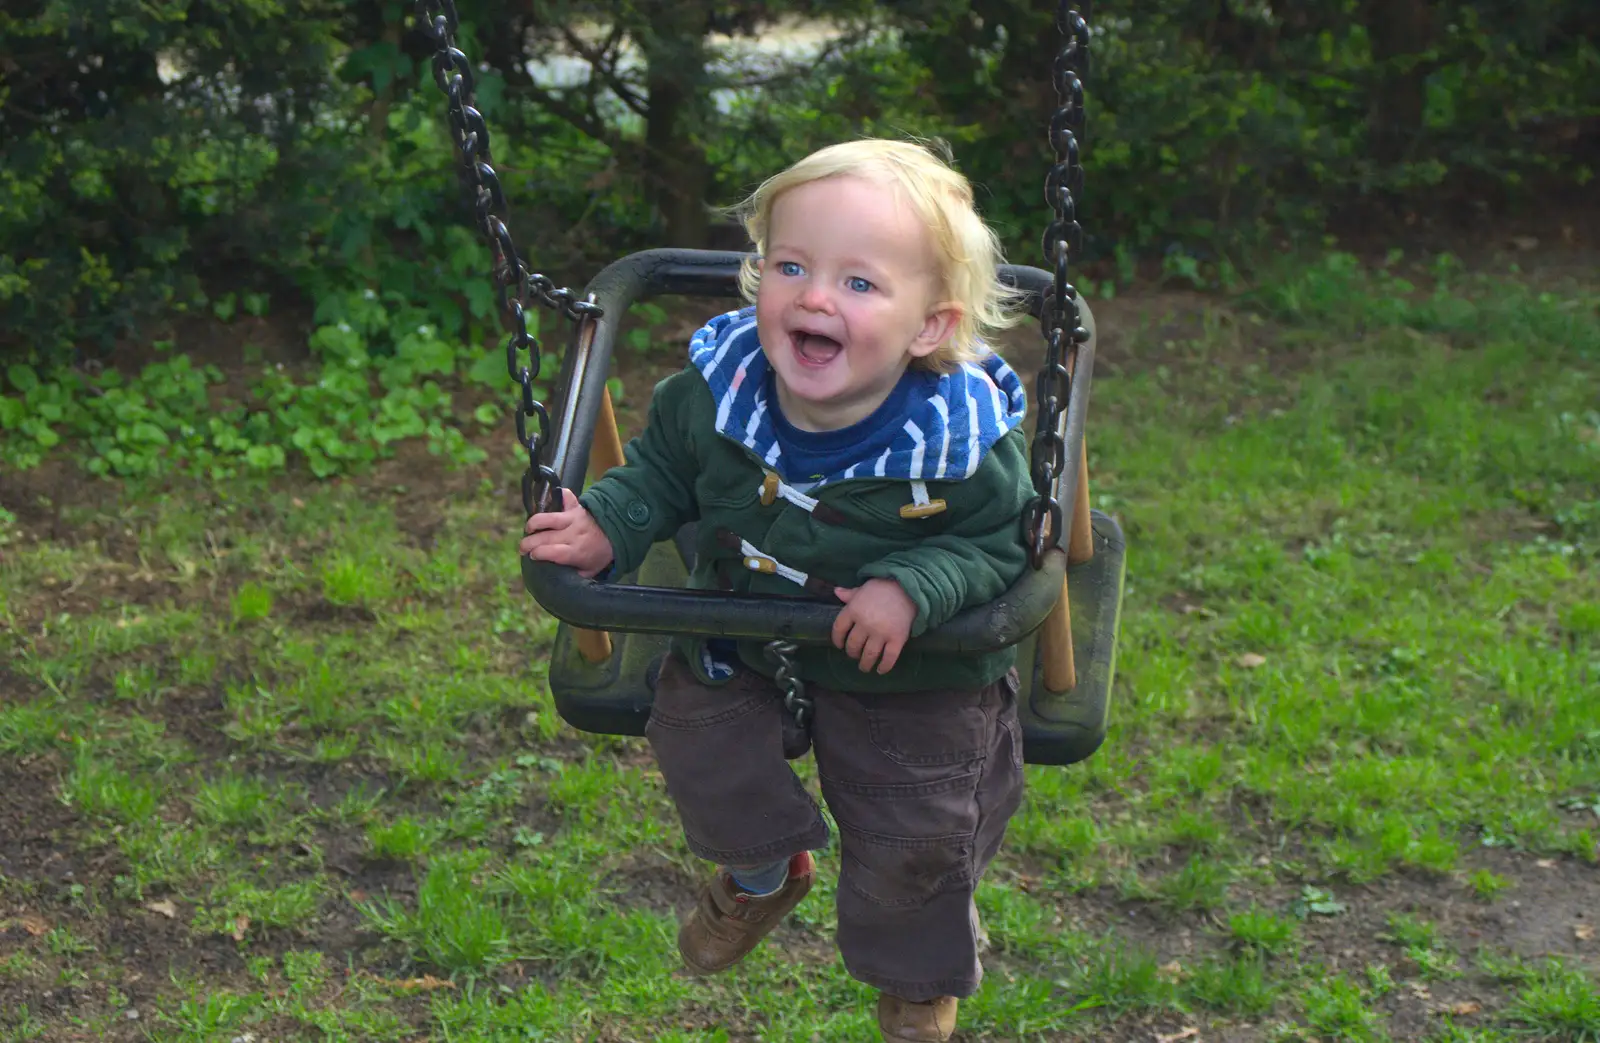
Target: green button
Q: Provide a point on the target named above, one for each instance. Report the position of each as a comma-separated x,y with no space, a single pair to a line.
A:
638,513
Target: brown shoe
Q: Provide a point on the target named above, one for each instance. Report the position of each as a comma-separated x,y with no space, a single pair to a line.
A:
727,923
902,1021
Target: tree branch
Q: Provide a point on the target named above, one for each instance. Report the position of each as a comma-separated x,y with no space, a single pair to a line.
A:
589,122
605,69
791,70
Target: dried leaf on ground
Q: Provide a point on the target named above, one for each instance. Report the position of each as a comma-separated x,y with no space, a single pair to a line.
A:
1251,660
34,925
1583,932
426,983
241,924
429,982
165,908
1189,1033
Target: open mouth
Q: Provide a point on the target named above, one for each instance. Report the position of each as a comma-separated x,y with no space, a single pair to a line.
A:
815,349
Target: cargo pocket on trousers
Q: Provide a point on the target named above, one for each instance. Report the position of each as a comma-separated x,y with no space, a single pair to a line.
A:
903,872
683,703
928,729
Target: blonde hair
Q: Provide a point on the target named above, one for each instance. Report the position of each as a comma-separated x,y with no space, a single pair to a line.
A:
968,251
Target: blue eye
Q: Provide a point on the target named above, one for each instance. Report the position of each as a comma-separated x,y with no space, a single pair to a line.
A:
858,284
788,268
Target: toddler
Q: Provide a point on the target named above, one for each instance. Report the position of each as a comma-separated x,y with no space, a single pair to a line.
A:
849,437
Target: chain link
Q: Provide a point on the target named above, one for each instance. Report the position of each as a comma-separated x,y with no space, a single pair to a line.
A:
515,286
1060,317
795,699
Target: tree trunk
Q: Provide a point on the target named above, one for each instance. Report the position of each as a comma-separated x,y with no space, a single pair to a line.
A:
1401,33
675,165
383,97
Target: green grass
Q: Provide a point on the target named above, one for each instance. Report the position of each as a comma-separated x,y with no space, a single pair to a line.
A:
295,727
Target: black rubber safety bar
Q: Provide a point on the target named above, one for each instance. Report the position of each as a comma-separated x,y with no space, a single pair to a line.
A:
595,605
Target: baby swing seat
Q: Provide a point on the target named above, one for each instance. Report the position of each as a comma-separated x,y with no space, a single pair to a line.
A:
612,694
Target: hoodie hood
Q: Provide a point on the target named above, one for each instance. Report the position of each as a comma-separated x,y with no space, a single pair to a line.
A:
951,420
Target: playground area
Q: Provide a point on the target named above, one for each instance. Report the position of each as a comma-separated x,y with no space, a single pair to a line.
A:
280,763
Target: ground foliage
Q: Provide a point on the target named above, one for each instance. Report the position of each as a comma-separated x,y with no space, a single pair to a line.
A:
279,761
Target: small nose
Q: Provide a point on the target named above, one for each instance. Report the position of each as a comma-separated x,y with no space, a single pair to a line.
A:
815,298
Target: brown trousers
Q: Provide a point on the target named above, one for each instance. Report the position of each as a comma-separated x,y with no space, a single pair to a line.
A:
921,786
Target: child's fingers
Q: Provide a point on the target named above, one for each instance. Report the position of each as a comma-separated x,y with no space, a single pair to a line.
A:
531,543
558,553
870,653
841,627
555,519
891,655
547,520
859,636
869,648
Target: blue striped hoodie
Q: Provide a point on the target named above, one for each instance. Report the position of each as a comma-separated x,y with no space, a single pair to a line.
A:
947,428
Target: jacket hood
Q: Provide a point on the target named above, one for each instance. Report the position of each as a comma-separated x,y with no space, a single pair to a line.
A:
951,420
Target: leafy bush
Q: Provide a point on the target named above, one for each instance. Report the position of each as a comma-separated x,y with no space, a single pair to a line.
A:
1212,122
379,382
138,134
217,155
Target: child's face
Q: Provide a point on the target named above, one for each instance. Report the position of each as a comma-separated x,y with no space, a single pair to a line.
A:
848,298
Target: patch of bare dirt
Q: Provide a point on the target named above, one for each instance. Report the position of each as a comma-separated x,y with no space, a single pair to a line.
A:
40,498
38,833
1552,231
652,882
1550,908
198,716
58,910
321,610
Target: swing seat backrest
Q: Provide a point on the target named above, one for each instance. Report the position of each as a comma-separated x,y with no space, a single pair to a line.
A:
621,607
614,696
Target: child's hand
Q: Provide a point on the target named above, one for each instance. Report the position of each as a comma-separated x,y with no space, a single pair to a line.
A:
569,536
873,625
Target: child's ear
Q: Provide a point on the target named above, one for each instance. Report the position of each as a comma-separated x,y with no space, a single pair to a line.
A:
937,326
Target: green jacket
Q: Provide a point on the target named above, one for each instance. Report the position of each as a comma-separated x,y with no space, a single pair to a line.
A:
750,541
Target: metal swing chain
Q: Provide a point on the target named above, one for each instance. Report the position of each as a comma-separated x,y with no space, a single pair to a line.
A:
795,699
515,286
1060,317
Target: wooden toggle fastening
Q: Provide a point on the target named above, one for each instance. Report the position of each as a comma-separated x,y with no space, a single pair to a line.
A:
921,505
922,510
